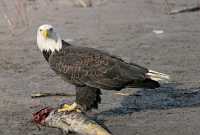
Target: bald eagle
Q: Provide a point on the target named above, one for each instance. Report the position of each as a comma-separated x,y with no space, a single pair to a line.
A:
91,70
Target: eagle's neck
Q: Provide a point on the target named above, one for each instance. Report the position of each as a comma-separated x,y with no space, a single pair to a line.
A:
47,53
49,44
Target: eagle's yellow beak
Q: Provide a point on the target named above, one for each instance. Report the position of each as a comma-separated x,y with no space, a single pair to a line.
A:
45,33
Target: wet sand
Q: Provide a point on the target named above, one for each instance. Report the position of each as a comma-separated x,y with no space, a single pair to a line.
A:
123,28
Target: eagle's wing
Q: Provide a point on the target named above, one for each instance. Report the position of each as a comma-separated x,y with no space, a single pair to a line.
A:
87,66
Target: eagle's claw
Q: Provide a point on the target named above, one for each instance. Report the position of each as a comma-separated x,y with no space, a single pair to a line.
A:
69,108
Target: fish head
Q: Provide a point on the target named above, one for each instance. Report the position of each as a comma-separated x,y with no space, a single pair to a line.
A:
40,116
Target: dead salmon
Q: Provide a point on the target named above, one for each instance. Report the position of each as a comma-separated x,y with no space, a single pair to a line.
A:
74,121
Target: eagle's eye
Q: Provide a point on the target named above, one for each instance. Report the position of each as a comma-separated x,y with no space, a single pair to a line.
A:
51,29
40,30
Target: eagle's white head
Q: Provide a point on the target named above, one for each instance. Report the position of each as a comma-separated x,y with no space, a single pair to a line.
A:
48,39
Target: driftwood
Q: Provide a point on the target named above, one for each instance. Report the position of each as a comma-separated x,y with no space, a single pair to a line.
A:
185,9
46,94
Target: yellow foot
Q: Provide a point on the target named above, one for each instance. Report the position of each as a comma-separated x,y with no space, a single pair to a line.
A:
69,108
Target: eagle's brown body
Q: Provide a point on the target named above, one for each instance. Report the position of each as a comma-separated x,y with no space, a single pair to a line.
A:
91,70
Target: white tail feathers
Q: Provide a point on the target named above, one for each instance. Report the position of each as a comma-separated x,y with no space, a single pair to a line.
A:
157,76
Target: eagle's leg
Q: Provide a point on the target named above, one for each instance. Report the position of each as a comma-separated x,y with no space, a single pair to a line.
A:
86,99
69,108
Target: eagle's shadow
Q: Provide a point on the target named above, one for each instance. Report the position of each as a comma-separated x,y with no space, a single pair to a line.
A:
156,99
